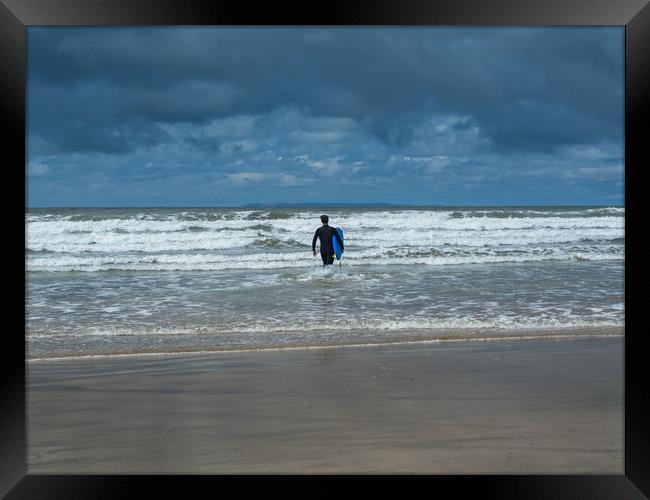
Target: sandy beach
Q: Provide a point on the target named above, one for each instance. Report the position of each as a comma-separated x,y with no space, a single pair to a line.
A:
523,406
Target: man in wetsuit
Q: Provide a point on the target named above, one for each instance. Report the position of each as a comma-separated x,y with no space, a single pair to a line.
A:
326,233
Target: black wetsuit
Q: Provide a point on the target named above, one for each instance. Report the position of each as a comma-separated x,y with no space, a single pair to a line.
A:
326,233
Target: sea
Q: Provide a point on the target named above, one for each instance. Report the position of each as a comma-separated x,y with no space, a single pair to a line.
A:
124,281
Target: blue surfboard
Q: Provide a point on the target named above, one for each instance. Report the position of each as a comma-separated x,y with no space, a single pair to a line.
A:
337,248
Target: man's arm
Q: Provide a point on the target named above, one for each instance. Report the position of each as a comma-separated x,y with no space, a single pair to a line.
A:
313,242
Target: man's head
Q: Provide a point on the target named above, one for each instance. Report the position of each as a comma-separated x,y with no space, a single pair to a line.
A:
324,219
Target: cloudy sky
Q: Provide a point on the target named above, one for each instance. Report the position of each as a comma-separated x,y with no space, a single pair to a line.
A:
204,116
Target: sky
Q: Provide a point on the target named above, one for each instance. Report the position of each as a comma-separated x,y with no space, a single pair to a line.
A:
215,116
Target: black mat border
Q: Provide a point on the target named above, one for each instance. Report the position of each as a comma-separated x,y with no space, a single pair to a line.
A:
15,15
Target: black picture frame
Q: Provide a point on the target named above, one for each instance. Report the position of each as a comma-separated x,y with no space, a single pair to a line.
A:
634,15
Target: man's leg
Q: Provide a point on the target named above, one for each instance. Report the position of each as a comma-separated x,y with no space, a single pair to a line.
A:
327,259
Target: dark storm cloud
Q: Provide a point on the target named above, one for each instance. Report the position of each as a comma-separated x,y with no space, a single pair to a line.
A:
418,115
526,88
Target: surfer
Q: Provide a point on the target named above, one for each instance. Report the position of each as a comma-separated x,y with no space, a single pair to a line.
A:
326,233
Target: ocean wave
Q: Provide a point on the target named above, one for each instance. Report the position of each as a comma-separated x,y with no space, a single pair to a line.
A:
434,327
203,262
532,213
118,238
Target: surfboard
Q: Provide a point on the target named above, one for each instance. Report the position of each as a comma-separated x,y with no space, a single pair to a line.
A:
337,248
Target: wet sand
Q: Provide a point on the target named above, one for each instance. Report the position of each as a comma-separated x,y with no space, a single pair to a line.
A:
520,406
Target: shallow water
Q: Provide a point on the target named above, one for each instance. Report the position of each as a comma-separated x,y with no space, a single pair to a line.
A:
149,279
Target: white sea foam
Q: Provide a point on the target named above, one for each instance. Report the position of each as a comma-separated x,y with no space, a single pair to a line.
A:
268,239
357,325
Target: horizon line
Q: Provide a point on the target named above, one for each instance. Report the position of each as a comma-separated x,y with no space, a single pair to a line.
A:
328,204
